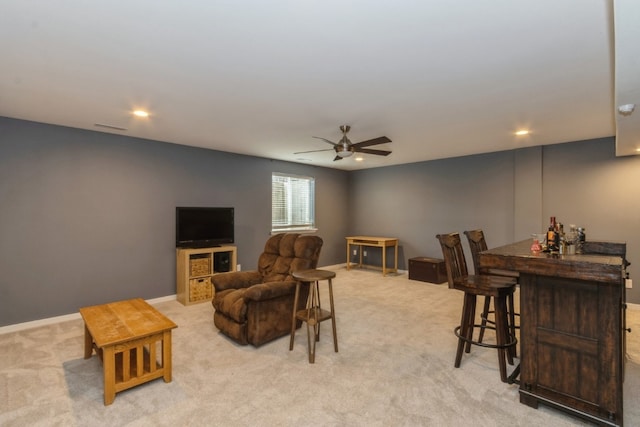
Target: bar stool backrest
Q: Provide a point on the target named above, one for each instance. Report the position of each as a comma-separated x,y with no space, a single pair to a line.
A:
477,244
453,257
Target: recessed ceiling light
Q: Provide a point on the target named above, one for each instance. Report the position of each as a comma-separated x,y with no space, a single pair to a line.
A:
140,113
522,132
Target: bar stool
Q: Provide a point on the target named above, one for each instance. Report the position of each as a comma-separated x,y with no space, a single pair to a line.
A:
477,244
498,288
313,314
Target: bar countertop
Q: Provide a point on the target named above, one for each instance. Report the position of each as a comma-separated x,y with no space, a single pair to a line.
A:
519,257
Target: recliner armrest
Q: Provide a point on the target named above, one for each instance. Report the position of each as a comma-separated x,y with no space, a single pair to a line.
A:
265,291
236,280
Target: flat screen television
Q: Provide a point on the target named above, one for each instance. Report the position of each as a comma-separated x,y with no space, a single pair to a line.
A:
201,227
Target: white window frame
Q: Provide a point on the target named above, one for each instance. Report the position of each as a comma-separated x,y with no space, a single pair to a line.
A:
295,195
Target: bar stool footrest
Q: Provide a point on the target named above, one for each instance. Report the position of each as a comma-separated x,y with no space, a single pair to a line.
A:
508,344
486,318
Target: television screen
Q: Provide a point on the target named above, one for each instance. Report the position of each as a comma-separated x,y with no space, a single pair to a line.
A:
199,227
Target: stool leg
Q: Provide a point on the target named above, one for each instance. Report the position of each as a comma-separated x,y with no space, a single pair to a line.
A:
468,302
500,306
312,322
318,310
293,315
485,314
462,331
507,337
471,320
311,352
512,324
333,317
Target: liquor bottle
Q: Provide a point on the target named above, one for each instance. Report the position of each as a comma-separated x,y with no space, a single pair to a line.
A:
581,239
559,234
552,236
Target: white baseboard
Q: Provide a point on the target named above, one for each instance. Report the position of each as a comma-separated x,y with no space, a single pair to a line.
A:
73,316
64,318
344,265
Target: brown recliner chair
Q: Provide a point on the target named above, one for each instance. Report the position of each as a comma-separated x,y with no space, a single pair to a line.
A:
255,307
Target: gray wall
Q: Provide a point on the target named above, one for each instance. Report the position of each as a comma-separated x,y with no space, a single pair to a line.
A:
89,217
415,202
508,194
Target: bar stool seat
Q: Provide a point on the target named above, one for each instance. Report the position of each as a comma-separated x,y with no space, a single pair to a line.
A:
313,314
498,288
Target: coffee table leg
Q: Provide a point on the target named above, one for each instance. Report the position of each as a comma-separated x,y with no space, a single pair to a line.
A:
166,356
88,343
109,369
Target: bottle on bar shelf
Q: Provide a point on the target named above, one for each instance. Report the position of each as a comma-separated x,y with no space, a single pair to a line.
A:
560,238
552,235
571,239
581,239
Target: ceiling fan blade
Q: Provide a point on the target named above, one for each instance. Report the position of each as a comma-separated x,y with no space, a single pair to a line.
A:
325,140
374,141
313,151
370,151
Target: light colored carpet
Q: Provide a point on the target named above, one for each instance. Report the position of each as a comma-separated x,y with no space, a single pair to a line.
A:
394,367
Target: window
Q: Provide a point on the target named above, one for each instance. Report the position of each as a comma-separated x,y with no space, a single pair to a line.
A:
292,202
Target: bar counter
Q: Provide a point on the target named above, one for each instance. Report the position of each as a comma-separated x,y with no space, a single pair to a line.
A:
572,310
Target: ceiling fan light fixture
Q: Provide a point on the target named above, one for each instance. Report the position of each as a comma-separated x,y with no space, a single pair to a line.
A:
345,148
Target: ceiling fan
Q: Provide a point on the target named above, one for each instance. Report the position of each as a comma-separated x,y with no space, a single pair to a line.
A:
346,148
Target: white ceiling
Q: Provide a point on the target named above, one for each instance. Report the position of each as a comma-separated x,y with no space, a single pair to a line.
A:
440,78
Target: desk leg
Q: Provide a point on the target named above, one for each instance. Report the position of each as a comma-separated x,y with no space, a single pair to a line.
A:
348,257
384,260
88,343
109,371
395,263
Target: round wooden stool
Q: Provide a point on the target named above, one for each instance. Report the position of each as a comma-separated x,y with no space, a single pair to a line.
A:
313,314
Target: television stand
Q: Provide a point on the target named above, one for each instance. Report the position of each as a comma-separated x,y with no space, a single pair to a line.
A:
196,266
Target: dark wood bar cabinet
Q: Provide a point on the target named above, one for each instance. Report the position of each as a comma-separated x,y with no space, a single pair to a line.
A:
572,320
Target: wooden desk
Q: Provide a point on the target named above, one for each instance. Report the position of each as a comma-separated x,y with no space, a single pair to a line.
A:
380,242
126,335
571,328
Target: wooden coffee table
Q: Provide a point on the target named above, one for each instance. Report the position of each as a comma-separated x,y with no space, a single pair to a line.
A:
133,340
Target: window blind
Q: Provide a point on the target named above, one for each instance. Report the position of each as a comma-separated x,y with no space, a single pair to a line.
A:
292,202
